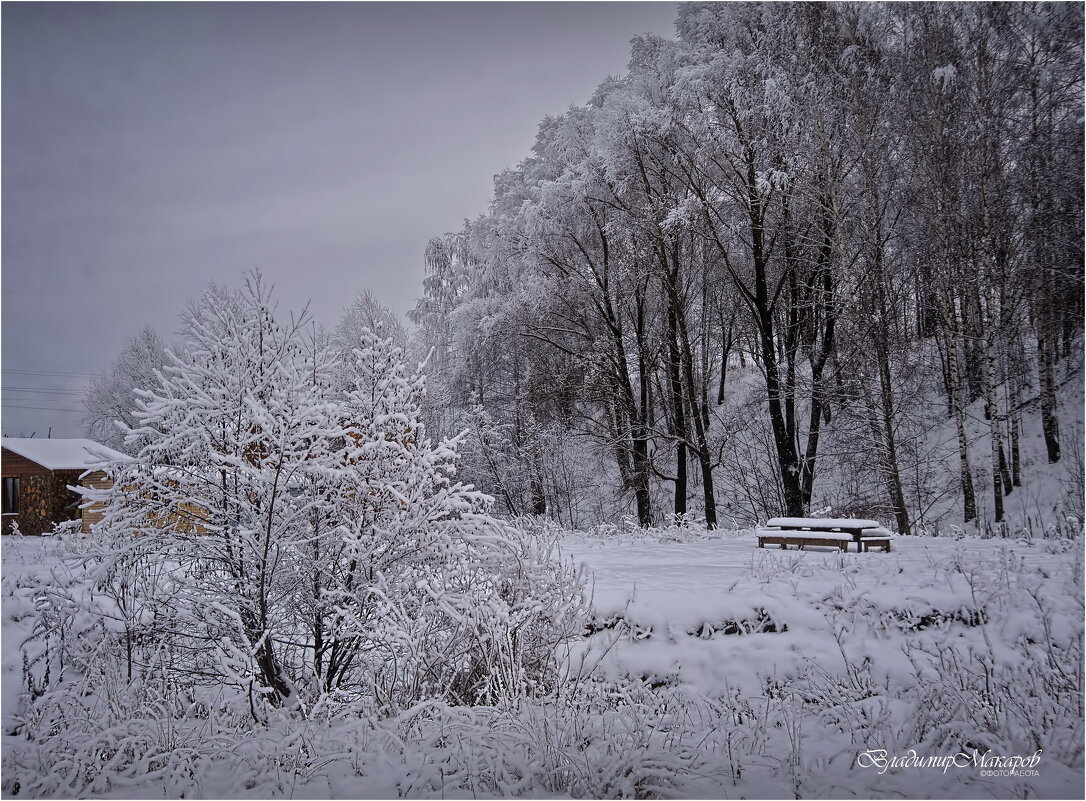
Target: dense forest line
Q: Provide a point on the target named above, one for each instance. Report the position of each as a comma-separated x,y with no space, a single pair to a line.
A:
764,269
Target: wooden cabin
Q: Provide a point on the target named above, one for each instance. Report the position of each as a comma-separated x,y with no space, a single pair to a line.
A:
37,477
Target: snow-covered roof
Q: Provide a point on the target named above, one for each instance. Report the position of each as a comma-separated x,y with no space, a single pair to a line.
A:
62,454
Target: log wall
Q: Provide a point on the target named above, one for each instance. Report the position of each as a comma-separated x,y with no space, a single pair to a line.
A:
93,513
44,497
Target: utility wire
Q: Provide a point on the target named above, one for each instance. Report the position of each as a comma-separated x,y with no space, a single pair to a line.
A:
48,390
47,372
40,408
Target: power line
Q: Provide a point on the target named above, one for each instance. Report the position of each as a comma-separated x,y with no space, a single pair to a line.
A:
40,408
48,372
48,390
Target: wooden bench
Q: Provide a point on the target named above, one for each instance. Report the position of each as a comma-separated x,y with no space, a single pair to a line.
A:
829,532
802,539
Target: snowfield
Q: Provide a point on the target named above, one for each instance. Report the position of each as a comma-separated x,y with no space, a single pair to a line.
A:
708,668
682,595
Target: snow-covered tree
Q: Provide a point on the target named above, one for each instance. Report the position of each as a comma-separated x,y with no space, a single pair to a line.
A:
110,400
298,539
785,182
367,312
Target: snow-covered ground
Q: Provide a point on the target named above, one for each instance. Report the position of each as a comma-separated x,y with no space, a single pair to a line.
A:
738,672
933,643
25,563
675,594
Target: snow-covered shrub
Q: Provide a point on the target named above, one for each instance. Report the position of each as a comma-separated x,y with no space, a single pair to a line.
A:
67,528
288,535
604,740
607,741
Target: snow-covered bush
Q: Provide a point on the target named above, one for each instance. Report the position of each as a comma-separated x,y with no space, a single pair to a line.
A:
287,538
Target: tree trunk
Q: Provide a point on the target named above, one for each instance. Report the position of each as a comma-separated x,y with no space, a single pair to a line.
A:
969,500
783,433
887,467
641,469
893,470
787,457
619,425
1013,381
701,434
728,342
699,414
678,405
995,427
972,327
1049,422
824,303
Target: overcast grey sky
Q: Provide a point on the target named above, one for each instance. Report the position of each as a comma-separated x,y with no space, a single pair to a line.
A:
151,148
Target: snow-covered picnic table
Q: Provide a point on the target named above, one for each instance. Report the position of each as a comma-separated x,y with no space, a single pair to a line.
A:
834,532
